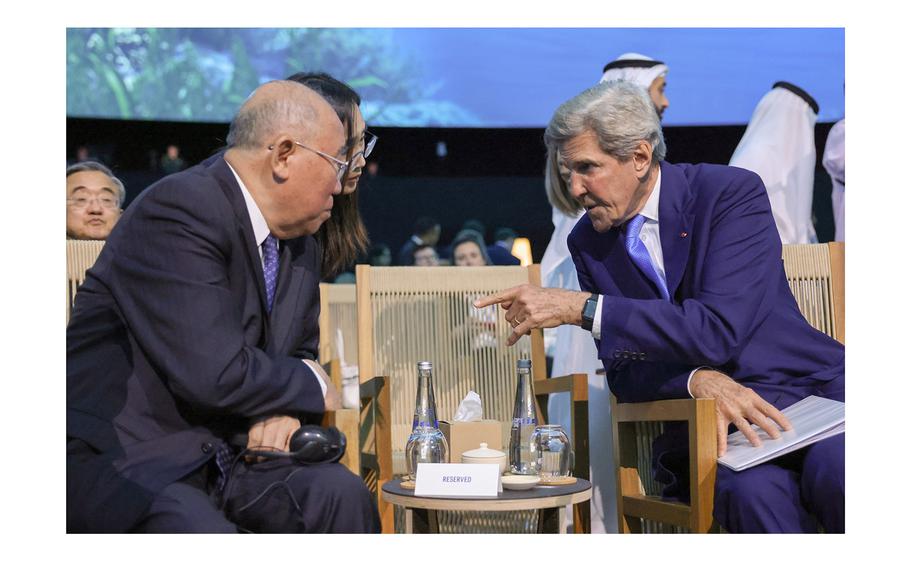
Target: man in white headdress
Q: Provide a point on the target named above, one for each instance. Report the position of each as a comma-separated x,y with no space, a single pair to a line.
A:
644,71
833,160
779,145
571,350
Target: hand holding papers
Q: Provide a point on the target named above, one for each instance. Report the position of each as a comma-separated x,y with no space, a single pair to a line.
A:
737,405
813,419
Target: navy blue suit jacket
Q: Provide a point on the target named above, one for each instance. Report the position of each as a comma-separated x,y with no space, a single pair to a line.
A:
730,308
170,348
502,256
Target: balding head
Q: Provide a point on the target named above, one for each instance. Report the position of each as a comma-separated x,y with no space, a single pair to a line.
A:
277,107
288,146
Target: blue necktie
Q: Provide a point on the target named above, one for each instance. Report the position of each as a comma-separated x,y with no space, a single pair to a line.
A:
270,268
639,254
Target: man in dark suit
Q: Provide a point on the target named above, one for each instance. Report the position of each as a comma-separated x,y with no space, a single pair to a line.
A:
198,325
426,232
686,296
500,251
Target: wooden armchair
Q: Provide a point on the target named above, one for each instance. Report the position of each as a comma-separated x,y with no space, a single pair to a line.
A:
80,256
409,314
816,277
366,428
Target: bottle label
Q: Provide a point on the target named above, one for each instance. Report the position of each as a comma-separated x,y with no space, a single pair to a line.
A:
523,421
422,424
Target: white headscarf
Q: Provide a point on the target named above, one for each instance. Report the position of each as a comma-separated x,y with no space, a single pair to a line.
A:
779,145
634,67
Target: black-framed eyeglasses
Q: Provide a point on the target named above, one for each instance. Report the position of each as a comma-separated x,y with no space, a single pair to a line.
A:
341,165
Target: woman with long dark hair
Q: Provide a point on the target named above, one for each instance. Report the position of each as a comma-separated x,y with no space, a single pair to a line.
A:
343,237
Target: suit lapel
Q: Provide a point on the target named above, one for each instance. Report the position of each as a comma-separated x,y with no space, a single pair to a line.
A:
291,278
222,172
675,224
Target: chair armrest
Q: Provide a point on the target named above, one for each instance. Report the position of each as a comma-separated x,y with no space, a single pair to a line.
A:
657,411
577,384
371,388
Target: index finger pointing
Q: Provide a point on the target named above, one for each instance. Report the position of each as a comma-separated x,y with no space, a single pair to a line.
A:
497,298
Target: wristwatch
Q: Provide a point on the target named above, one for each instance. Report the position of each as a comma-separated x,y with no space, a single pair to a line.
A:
587,314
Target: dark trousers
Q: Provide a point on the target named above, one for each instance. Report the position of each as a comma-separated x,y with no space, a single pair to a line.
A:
275,496
792,494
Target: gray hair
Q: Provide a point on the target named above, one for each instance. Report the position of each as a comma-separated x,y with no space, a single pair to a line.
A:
90,166
558,192
258,119
621,114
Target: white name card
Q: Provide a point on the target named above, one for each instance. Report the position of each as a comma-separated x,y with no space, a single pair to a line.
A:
457,480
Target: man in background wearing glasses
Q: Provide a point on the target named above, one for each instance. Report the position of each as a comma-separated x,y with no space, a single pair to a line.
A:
93,200
197,328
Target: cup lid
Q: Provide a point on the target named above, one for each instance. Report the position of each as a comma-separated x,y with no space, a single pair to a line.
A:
483,452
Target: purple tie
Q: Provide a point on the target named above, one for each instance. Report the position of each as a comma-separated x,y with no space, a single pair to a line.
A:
639,254
270,268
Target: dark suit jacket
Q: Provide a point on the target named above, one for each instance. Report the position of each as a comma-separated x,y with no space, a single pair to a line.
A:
502,256
731,307
170,348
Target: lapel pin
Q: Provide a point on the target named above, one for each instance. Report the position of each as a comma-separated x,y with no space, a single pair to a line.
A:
684,234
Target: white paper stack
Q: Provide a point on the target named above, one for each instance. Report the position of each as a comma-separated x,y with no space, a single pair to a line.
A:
813,419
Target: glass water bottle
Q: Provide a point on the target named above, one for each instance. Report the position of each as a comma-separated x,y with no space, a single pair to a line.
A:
522,453
426,443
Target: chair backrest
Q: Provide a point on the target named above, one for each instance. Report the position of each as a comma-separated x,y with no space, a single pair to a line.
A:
816,277
338,317
80,256
411,314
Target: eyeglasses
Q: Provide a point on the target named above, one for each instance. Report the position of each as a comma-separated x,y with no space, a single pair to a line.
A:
82,202
341,166
368,144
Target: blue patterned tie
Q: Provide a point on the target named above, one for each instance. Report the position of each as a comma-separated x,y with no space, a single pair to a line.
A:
270,268
639,254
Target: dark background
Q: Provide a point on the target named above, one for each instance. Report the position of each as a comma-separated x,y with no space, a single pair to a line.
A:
494,175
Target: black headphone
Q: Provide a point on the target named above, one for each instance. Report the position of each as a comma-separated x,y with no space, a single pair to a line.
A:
311,444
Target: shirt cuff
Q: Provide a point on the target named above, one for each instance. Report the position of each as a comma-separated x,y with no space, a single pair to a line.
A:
318,375
689,382
595,328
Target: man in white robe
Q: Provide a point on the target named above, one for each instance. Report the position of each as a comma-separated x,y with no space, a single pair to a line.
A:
779,145
833,160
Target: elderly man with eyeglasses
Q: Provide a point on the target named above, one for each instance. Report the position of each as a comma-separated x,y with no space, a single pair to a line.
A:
93,200
193,341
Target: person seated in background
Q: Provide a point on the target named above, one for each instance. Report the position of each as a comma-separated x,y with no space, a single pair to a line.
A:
94,197
426,232
380,255
425,255
171,162
685,295
192,343
468,249
500,252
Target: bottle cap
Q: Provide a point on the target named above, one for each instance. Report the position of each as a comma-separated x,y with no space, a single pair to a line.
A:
424,366
524,363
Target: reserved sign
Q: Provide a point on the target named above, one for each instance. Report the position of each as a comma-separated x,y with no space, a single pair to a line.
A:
457,480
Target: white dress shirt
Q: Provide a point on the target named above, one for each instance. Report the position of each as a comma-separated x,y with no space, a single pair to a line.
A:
260,233
650,236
